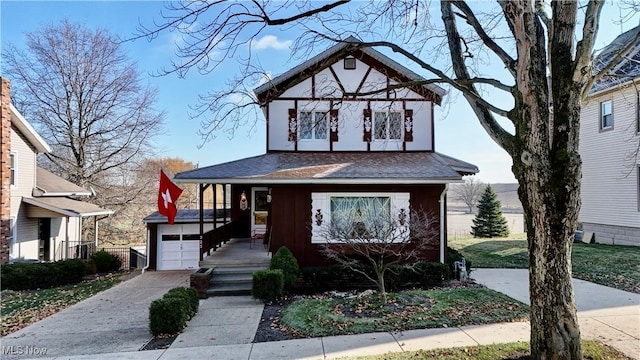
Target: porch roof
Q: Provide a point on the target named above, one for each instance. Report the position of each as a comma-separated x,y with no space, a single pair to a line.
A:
334,168
67,207
49,184
186,216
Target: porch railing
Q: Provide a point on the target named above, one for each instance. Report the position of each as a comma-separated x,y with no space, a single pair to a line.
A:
215,238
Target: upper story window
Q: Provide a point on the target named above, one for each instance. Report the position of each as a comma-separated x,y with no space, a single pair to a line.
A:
349,63
313,125
387,125
606,115
12,169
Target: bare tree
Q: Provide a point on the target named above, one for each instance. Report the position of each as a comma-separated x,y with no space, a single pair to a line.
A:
376,238
546,59
87,100
469,192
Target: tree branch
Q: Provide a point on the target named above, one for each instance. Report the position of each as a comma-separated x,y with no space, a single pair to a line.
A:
472,20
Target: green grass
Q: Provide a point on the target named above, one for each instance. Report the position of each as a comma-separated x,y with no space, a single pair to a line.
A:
614,266
517,350
21,308
414,309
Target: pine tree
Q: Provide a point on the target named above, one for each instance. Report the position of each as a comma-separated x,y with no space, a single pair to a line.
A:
489,222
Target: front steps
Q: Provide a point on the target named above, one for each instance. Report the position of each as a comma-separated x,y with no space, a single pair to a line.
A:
229,280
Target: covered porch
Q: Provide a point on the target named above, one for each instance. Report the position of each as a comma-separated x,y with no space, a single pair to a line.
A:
238,252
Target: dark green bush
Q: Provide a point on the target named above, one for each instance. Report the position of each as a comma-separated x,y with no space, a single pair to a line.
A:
284,260
454,255
190,294
105,261
267,285
168,315
31,276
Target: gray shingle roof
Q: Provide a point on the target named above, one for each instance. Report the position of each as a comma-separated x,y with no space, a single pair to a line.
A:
186,216
335,49
67,206
626,70
53,185
333,167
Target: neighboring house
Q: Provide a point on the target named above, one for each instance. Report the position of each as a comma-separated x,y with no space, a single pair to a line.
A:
609,147
327,150
41,216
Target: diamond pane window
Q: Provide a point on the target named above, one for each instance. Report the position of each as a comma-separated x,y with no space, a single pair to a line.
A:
387,126
306,125
321,125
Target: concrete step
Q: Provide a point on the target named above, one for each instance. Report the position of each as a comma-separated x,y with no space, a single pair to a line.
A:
231,278
229,289
234,262
238,269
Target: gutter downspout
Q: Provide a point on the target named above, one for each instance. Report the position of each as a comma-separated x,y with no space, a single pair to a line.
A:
147,250
443,214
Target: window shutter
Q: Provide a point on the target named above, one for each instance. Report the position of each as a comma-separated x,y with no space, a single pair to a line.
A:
408,125
333,125
293,125
366,122
319,216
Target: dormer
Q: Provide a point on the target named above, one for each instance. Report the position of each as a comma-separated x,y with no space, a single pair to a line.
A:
347,98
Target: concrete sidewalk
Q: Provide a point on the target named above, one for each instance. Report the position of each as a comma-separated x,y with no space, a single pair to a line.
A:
606,314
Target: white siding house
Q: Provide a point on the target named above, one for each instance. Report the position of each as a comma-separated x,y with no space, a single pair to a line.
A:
41,214
609,145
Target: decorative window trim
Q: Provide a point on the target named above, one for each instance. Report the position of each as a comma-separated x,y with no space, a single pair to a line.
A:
603,114
321,209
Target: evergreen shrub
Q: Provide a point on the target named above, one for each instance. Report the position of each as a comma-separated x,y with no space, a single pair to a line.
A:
168,315
268,285
105,261
284,260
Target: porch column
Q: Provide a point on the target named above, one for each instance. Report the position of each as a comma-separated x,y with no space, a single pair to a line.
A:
95,230
201,205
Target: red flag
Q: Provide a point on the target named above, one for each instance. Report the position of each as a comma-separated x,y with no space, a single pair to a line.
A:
168,194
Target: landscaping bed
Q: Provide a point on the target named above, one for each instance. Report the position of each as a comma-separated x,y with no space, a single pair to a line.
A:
342,313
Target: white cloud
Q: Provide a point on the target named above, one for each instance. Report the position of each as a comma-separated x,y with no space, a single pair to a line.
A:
271,41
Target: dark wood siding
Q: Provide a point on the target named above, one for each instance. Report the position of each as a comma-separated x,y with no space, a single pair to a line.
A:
291,215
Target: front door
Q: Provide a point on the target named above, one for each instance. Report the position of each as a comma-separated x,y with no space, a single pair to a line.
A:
259,210
44,239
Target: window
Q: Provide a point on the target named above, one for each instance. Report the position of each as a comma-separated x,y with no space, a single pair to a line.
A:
387,126
358,215
12,168
313,125
350,63
12,234
606,115
638,112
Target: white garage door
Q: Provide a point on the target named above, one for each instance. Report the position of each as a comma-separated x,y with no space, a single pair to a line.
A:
180,251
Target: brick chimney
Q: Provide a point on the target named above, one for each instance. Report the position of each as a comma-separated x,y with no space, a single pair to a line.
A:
5,169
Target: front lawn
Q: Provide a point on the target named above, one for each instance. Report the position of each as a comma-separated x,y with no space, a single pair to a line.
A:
517,350
21,308
412,309
610,265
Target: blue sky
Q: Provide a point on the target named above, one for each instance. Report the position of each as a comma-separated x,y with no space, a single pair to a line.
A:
458,132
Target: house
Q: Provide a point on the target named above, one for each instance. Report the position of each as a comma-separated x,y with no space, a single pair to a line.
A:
329,145
610,148
42,218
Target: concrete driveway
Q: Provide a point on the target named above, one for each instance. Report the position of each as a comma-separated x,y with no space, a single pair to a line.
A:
115,320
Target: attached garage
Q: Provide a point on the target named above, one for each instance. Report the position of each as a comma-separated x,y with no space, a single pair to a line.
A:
177,246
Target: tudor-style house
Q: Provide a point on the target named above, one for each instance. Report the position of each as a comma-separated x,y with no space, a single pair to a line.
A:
339,135
610,148
41,213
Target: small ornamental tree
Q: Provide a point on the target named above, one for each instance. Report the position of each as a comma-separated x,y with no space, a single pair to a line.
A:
489,222
376,238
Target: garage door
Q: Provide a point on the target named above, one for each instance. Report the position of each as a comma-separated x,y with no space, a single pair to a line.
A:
179,251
